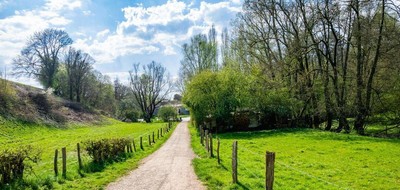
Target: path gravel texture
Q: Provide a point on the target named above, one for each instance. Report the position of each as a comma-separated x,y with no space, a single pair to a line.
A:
170,167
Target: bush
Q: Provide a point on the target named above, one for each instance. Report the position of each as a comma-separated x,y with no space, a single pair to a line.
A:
106,149
167,113
132,115
13,163
42,103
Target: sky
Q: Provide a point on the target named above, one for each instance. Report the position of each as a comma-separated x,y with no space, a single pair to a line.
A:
116,33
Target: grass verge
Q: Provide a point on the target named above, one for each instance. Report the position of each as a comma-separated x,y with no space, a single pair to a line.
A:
47,139
305,159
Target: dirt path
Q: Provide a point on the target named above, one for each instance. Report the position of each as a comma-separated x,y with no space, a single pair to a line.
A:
168,168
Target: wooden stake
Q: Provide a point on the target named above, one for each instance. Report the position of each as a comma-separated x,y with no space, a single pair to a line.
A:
149,141
207,145
141,143
234,162
153,138
64,162
55,163
269,172
134,146
211,145
79,156
218,144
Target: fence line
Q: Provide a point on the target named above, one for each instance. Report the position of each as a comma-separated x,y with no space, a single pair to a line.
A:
85,157
240,165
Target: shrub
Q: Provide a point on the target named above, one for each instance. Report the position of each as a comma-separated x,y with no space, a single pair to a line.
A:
41,101
106,149
14,162
132,115
167,112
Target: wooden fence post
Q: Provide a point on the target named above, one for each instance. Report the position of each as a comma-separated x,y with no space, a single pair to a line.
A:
64,162
55,163
134,146
141,143
153,138
158,133
206,136
211,145
79,156
149,141
269,171
218,143
234,162
161,132
201,135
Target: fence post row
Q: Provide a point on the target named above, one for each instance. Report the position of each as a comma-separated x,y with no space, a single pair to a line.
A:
269,173
55,163
79,156
234,162
64,162
211,145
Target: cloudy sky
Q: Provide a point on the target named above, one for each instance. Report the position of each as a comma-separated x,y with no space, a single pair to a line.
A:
117,33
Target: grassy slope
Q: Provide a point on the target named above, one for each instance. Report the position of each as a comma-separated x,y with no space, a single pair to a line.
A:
14,135
305,159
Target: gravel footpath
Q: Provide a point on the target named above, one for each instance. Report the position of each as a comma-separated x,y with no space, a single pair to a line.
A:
170,167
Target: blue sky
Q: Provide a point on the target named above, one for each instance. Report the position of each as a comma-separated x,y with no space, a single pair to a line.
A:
117,33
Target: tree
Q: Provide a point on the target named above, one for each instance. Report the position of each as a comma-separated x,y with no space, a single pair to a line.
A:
167,112
150,86
78,66
199,55
40,57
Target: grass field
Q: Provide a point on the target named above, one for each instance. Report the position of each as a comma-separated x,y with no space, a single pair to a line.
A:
305,159
15,135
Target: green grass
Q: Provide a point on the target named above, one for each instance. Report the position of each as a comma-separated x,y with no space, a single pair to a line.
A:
305,159
47,139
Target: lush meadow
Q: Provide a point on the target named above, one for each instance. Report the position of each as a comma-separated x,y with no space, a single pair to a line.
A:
46,139
305,159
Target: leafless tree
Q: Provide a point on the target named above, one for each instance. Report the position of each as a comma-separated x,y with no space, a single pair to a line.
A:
40,57
150,86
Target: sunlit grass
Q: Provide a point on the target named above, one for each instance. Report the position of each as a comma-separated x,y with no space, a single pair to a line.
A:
305,159
47,139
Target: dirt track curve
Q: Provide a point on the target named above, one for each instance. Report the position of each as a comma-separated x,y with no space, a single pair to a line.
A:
170,167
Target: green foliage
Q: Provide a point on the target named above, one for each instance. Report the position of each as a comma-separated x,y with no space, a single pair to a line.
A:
167,113
305,159
13,163
104,150
216,95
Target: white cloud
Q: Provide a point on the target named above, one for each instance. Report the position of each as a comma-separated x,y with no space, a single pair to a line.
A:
127,38
16,29
57,5
141,17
